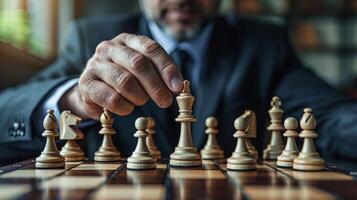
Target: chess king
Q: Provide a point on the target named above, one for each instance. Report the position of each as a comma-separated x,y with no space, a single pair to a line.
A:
134,65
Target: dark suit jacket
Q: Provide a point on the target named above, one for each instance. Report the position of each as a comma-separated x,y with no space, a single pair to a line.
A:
247,62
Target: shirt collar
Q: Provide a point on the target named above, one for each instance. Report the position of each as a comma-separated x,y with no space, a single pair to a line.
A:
196,47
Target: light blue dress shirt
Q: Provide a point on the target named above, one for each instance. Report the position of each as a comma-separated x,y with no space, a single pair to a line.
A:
196,48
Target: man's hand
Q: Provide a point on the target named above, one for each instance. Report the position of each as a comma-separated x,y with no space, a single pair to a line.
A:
123,73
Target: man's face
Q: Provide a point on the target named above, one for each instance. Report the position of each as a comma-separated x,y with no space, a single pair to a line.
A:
182,19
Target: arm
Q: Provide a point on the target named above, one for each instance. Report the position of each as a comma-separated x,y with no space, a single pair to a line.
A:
123,72
335,112
19,104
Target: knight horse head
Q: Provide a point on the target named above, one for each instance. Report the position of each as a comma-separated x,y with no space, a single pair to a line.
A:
68,123
252,123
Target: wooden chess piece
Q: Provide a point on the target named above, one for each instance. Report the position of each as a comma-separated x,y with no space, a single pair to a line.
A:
50,157
211,150
107,151
185,154
291,151
68,131
308,159
275,147
241,159
141,157
252,132
150,140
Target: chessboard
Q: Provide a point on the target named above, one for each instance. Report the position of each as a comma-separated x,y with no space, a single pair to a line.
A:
112,180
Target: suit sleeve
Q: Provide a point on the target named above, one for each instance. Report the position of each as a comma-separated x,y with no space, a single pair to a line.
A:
335,112
18,104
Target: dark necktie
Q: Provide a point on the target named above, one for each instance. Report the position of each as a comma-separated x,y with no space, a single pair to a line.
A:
184,62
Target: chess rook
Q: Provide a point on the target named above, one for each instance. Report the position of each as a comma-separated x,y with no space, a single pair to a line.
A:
211,150
150,140
308,159
185,154
241,159
141,157
107,151
275,146
291,150
50,157
68,131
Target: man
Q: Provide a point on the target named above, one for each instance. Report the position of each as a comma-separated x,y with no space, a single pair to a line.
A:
127,64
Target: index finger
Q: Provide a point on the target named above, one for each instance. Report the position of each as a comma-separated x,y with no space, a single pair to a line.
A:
158,56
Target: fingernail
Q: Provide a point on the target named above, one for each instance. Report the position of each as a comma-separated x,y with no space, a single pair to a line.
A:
166,101
176,84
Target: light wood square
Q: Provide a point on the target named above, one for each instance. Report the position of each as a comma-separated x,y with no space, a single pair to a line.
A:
276,193
33,173
196,174
98,166
317,176
73,182
8,191
144,192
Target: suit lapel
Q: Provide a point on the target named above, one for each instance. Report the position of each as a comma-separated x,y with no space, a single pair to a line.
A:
219,60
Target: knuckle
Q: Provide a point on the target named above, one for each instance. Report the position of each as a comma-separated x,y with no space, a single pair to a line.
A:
103,47
138,62
113,100
92,62
122,37
125,81
168,70
150,47
158,91
83,82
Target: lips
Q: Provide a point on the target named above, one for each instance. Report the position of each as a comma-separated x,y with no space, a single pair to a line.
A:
182,14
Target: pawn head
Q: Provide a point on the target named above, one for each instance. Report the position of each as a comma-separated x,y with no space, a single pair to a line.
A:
290,123
141,123
211,122
241,124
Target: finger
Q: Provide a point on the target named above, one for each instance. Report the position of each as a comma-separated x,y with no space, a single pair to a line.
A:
98,92
158,56
141,67
85,110
72,100
91,110
120,79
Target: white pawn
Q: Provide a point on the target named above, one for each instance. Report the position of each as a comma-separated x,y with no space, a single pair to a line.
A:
308,159
291,151
212,151
241,159
141,157
107,152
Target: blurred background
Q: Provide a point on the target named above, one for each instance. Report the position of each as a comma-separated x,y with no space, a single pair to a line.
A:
324,32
